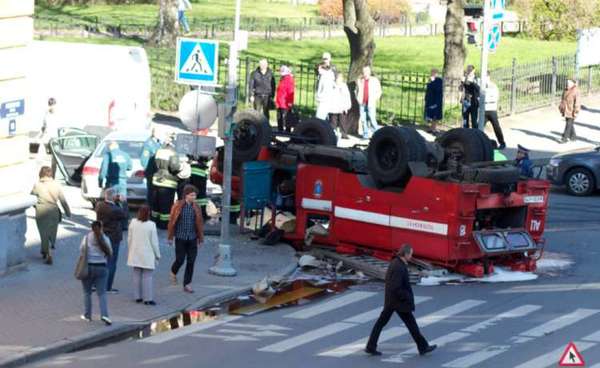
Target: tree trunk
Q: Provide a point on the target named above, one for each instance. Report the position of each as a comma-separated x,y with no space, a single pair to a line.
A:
359,27
167,27
454,50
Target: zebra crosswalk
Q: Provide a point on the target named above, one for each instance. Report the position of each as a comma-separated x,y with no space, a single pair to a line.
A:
469,332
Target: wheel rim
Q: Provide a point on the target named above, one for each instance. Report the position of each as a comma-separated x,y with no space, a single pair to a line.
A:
387,155
579,183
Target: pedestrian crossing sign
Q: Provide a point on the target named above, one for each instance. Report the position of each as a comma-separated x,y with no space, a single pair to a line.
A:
197,61
571,357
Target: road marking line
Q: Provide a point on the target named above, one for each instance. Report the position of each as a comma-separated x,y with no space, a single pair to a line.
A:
550,288
373,314
355,346
307,337
187,330
493,350
560,322
466,332
551,359
331,305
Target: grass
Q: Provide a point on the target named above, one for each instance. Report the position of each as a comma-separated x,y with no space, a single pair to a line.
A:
202,11
415,54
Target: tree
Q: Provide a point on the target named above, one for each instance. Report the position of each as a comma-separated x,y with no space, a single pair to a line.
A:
454,49
359,27
167,26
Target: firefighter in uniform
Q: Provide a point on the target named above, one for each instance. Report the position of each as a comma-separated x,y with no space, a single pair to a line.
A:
164,183
198,179
151,145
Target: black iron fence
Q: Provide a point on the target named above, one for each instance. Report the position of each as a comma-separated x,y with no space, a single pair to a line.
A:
522,86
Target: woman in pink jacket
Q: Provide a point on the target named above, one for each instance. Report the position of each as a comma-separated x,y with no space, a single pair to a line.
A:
284,98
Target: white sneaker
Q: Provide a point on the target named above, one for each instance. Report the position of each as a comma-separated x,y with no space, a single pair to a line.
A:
85,318
106,320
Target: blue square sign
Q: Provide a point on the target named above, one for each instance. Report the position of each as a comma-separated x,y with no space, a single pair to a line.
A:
197,61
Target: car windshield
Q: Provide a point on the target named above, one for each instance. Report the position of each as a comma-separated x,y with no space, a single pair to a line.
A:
132,148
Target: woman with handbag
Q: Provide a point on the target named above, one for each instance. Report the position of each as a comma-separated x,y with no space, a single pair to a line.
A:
142,240
92,270
47,212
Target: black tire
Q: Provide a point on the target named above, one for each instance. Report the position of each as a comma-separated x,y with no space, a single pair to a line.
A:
580,182
498,175
466,141
388,155
486,144
316,131
252,131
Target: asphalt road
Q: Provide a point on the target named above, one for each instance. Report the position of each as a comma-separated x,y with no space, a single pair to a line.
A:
524,325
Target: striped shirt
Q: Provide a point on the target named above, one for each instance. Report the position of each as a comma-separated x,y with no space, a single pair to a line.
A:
186,224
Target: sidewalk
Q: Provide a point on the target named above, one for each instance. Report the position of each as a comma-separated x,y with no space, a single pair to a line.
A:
41,305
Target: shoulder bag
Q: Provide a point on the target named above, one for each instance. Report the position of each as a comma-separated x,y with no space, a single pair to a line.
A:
81,269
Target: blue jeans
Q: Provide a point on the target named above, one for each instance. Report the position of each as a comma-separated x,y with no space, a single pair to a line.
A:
183,20
112,265
97,276
368,120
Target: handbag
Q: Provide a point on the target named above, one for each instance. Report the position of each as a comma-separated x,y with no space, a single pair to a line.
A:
81,269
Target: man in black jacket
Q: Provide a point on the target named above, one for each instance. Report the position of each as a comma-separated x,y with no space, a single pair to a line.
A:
111,214
262,88
399,298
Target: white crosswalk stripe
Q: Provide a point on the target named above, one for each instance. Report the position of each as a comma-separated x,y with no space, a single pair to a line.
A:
491,351
331,305
394,332
467,331
328,330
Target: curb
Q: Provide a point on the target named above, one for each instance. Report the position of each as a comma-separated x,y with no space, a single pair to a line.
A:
123,330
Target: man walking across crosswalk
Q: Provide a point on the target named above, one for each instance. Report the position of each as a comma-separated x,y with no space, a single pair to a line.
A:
399,298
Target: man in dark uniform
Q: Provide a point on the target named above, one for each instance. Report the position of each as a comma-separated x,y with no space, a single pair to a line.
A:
399,298
198,179
147,160
165,183
523,162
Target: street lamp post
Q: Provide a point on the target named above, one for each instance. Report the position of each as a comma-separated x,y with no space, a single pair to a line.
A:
223,266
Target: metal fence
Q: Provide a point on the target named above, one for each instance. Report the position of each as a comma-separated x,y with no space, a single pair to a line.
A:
522,86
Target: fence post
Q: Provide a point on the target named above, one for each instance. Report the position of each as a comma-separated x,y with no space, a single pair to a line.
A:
554,76
513,87
213,30
589,81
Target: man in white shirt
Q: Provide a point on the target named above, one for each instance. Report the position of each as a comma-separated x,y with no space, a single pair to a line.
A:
491,111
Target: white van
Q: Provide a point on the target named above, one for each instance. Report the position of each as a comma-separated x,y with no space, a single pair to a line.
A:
99,86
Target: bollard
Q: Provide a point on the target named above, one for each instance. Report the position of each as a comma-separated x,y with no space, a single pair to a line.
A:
223,266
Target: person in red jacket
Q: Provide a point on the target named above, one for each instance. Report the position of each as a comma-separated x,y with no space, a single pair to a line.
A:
284,98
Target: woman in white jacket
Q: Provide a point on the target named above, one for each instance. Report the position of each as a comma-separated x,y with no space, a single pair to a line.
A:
342,103
142,239
326,92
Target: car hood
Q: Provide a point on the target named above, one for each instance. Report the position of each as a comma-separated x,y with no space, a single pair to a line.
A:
578,153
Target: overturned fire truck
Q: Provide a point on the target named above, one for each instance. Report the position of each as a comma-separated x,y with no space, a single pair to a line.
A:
456,207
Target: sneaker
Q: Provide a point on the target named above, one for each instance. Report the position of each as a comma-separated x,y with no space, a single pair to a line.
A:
188,289
373,352
428,349
85,318
106,320
139,300
502,146
150,302
113,291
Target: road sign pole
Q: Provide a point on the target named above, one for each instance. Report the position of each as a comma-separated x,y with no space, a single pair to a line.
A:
484,61
224,266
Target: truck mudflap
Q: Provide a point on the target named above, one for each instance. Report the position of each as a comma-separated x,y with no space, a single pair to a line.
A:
499,242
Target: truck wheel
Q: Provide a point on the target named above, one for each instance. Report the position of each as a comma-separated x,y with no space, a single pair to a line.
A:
486,144
580,182
388,155
316,130
251,132
418,147
464,141
498,175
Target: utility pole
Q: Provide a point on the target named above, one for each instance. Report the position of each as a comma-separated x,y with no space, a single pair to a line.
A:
223,266
484,61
